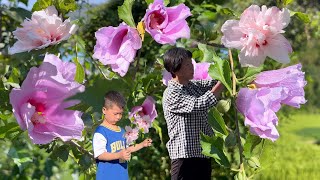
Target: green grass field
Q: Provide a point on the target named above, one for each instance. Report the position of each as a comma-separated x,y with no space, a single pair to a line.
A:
296,154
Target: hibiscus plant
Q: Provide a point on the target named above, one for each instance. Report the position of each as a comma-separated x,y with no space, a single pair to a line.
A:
58,102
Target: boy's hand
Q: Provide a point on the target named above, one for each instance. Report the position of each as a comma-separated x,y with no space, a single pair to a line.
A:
147,142
125,154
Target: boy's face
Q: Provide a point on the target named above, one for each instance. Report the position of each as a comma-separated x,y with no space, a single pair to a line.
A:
186,70
112,114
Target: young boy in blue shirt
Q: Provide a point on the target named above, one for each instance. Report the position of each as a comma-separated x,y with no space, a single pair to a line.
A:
109,145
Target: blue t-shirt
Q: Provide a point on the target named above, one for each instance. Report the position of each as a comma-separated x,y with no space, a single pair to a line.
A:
115,169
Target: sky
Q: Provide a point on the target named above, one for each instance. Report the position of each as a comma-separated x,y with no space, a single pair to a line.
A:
31,3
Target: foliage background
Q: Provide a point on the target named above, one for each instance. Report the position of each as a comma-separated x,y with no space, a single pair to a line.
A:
20,159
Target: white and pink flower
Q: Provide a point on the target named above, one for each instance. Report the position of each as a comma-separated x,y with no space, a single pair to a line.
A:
45,28
258,34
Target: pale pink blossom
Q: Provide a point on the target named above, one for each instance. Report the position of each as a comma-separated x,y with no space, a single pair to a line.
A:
45,28
148,107
258,35
291,79
258,107
117,47
40,104
143,122
270,89
131,134
167,24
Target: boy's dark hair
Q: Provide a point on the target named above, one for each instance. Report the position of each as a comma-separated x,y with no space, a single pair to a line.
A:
114,97
173,59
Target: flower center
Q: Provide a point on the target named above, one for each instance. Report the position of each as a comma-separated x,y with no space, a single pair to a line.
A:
252,86
38,117
156,20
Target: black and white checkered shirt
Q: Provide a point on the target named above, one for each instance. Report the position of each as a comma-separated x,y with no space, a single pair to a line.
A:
186,112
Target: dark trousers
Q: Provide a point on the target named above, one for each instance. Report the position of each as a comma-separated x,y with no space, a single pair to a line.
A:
191,169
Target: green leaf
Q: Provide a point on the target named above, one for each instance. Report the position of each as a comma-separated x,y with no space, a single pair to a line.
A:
207,53
61,152
252,71
93,95
230,140
301,16
254,162
213,147
155,125
251,142
85,161
9,129
241,175
217,121
79,77
81,107
287,2
14,78
63,6
41,4
18,14
125,12
221,71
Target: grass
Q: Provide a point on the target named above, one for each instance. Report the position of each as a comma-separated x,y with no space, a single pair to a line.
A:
296,154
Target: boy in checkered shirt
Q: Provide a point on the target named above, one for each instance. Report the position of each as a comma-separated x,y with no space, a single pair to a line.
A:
185,104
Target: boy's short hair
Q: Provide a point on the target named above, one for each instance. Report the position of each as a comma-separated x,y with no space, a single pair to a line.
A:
114,97
173,59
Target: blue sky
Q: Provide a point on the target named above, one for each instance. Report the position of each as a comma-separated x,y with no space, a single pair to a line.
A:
31,3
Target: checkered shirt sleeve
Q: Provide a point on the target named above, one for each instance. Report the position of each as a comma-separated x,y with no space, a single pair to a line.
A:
186,113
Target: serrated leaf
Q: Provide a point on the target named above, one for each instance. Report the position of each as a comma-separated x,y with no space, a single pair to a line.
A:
217,121
80,74
125,13
221,71
251,142
214,148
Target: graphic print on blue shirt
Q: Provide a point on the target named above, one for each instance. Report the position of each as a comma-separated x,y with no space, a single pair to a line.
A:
114,169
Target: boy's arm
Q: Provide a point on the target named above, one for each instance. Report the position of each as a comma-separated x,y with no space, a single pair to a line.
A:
100,151
137,147
123,154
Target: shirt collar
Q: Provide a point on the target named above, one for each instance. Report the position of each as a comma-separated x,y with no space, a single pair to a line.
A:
175,84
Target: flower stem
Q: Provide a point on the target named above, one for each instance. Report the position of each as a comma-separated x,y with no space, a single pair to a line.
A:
137,65
236,111
72,142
